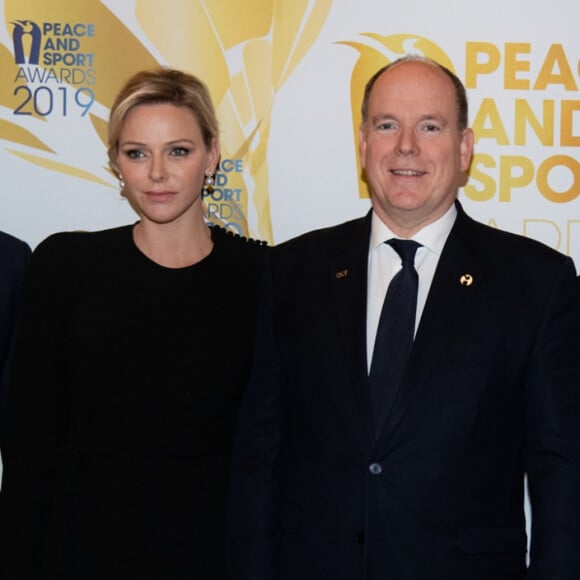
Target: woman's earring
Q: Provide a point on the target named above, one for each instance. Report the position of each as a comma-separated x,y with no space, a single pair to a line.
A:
208,184
121,183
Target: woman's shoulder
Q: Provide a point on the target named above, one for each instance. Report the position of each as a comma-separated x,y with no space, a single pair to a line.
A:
236,242
79,251
237,256
72,242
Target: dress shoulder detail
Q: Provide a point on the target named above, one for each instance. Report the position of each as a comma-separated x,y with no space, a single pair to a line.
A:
218,231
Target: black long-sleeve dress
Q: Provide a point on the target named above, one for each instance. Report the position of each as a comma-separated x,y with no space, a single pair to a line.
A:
126,384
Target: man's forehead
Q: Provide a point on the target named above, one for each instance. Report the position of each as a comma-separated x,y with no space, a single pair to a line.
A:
426,87
417,73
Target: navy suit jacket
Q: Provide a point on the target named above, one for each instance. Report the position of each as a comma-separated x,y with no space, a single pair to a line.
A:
491,392
14,256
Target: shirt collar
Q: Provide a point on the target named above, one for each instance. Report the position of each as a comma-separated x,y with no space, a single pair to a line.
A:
433,236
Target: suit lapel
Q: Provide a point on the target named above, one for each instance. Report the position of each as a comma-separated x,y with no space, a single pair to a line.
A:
452,291
348,273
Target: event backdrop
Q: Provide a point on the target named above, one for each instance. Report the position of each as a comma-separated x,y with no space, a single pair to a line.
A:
286,77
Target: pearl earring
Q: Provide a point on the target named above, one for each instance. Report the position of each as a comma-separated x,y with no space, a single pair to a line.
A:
208,185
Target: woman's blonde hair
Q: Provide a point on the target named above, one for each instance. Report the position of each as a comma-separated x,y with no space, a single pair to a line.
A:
163,85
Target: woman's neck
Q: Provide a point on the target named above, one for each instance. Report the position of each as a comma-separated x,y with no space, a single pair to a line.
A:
173,245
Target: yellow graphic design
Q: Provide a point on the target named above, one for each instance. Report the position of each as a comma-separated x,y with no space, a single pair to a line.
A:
68,59
376,51
17,134
56,166
540,118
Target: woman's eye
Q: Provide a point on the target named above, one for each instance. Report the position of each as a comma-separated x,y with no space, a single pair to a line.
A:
179,151
134,154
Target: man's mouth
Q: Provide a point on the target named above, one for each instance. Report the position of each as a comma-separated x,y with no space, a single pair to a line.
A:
407,172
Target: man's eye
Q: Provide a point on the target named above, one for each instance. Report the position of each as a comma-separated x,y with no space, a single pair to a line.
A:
431,128
386,126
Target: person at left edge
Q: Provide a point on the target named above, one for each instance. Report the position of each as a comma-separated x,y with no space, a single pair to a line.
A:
130,364
14,256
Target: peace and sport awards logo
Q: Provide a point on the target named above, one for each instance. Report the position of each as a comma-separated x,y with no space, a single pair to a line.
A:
55,68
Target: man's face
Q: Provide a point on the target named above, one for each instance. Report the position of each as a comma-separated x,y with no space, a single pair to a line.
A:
411,146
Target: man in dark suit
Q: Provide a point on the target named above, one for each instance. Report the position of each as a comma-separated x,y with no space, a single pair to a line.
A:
335,480
14,256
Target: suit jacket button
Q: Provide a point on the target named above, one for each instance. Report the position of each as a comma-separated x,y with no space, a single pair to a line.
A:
375,468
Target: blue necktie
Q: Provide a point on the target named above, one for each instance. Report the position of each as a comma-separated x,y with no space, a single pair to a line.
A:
394,334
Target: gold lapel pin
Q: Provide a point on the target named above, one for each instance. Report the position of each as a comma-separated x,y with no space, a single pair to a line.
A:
466,280
342,274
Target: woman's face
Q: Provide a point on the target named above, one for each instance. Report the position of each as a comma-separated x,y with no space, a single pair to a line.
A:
163,161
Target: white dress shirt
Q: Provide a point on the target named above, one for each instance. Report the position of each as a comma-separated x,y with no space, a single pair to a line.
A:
384,263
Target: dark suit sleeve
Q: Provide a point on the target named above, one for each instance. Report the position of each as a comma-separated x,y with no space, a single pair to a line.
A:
35,421
552,385
254,532
14,257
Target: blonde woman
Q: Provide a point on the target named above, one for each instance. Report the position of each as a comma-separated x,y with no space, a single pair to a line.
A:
130,364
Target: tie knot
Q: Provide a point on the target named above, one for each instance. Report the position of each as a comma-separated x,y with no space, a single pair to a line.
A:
405,248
